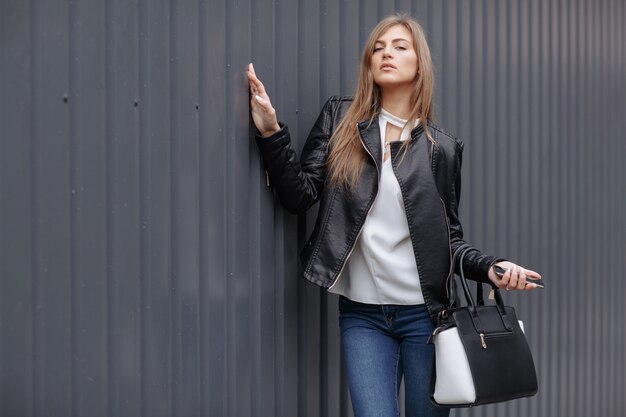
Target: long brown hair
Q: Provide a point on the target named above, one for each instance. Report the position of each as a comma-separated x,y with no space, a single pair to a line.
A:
347,155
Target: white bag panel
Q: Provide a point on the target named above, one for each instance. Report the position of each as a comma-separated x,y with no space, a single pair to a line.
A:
454,383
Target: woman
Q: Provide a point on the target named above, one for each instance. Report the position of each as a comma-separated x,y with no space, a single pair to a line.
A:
388,182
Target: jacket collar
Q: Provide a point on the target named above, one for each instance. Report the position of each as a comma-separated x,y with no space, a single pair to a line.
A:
369,130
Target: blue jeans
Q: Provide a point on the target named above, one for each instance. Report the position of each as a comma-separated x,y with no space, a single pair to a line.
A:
381,344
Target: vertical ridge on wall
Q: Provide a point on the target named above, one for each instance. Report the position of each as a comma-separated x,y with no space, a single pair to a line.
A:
174,331
231,406
35,254
260,321
217,140
620,155
143,134
144,206
588,145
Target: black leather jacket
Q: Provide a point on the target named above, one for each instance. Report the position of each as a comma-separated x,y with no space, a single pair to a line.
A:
430,181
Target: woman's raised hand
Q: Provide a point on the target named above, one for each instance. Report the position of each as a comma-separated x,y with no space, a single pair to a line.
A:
263,114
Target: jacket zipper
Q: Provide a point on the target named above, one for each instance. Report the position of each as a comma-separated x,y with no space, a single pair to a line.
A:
451,271
445,215
368,211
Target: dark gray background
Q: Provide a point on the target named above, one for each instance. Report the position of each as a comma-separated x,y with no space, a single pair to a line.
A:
146,269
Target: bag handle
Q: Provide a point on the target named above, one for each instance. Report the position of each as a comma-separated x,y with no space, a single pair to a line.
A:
452,296
460,253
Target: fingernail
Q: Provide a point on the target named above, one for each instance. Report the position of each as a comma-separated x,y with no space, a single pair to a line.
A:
258,98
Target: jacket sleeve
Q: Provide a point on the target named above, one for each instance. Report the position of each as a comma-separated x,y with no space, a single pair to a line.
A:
298,183
475,264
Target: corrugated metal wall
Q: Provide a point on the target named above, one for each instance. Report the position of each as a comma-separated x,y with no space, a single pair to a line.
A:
145,268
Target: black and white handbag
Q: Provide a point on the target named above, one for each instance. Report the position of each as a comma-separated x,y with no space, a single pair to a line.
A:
481,352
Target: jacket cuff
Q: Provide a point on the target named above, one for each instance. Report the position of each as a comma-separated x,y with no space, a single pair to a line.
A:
489,265
277,140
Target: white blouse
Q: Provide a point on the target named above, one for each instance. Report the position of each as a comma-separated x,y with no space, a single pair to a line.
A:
381,268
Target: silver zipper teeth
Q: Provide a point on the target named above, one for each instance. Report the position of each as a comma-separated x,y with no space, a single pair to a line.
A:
368,212
445,214
451,271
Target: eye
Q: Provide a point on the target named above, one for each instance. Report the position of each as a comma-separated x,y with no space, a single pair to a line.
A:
401,48
378,49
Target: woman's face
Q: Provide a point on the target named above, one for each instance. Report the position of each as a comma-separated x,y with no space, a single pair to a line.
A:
394,61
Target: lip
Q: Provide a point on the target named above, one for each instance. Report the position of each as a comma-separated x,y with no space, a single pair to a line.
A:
387,66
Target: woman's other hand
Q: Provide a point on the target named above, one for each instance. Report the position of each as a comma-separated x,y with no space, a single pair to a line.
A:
515,277
263,114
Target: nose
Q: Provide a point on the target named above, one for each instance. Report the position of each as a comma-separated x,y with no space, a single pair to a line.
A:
387,51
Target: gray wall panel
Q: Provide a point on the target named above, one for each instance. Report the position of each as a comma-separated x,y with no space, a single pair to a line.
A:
93,249
54,280
146,269
16,286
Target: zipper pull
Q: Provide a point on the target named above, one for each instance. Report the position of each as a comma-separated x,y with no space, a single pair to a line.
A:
492,294
267,179
482,341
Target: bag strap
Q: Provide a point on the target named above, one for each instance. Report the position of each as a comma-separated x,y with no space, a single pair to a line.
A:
460,254
452,295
